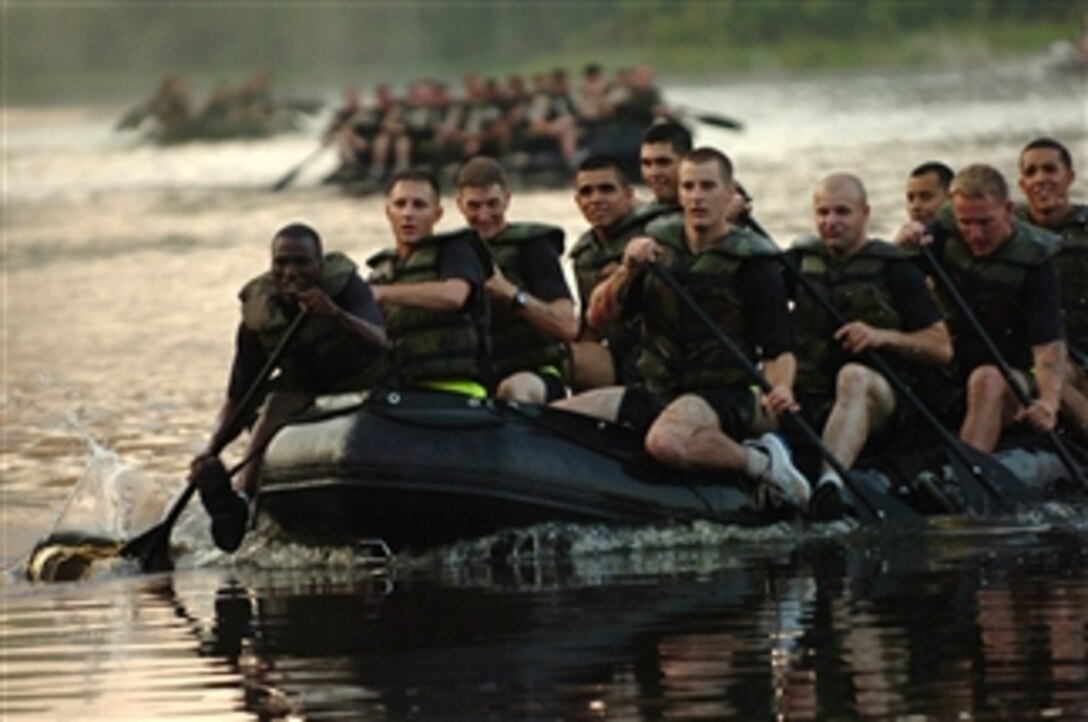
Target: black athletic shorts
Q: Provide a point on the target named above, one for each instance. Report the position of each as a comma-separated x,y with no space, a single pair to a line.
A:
554,388
734,405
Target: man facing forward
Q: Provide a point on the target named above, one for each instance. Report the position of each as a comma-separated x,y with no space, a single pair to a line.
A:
698,407
532,312
337,348
887,305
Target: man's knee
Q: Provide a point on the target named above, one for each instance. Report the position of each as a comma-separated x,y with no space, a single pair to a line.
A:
523,387
986,383
853,381
665,444
668,437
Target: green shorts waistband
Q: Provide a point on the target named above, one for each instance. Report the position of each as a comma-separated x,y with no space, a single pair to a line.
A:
465,388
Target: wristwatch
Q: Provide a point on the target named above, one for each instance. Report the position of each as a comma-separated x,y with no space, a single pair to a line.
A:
520,298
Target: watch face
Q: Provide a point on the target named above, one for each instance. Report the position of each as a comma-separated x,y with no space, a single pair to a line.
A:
520,298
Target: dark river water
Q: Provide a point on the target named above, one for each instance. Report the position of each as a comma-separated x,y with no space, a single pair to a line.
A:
120,267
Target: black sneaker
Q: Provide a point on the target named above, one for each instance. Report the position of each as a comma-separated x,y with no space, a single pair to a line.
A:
228,510
229,527
827,503
214,484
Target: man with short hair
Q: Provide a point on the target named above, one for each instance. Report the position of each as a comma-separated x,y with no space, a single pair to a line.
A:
884,298
337,348
1046,174
663,145
1003,268
532,311
606,355
697,405
431,289
927,190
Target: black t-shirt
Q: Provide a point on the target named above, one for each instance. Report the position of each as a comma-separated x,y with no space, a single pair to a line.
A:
538,264
456,259
249,356
760,285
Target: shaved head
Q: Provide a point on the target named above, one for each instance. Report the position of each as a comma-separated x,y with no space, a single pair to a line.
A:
846,184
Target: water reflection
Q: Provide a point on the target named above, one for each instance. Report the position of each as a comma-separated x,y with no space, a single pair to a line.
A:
944,630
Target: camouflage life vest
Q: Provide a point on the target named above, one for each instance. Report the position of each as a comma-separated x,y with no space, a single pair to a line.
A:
427,345
1071,263
590,257
515,344
679,353
857,288
992,285
323,358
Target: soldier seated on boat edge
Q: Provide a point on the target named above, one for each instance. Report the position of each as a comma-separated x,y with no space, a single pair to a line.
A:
532,311
1004,266
887,308
1046,174
696,408
336,348
431,290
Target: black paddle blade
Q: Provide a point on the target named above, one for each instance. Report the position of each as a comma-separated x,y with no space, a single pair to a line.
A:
719,121
286,180
871,500
988,485
966,480
151,549
68,556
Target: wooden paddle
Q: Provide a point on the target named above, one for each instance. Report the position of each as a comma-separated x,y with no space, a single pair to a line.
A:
874,505
289,177
1022,395
152,548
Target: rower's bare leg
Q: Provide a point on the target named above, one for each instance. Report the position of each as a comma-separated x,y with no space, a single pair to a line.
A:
1075,409
278,408
864,402
598,403
565,131
991,406
591,366
688,435
402,153
380,156
524,387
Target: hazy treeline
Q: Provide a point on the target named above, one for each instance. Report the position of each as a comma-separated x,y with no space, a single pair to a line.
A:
104,48
750,23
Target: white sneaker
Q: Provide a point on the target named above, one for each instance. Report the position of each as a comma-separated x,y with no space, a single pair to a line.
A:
781,475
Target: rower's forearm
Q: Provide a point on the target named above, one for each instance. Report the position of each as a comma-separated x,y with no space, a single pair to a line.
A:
1050,363
931,345
555,319
448,295
368,333
781,370
606,301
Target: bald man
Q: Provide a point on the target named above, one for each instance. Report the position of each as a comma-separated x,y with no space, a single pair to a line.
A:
889,309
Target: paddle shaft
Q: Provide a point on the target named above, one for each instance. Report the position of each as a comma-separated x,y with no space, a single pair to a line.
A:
713,119
159,535
1018,389
290,175
757,376
953,444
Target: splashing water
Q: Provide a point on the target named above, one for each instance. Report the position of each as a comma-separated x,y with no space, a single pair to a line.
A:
110,502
